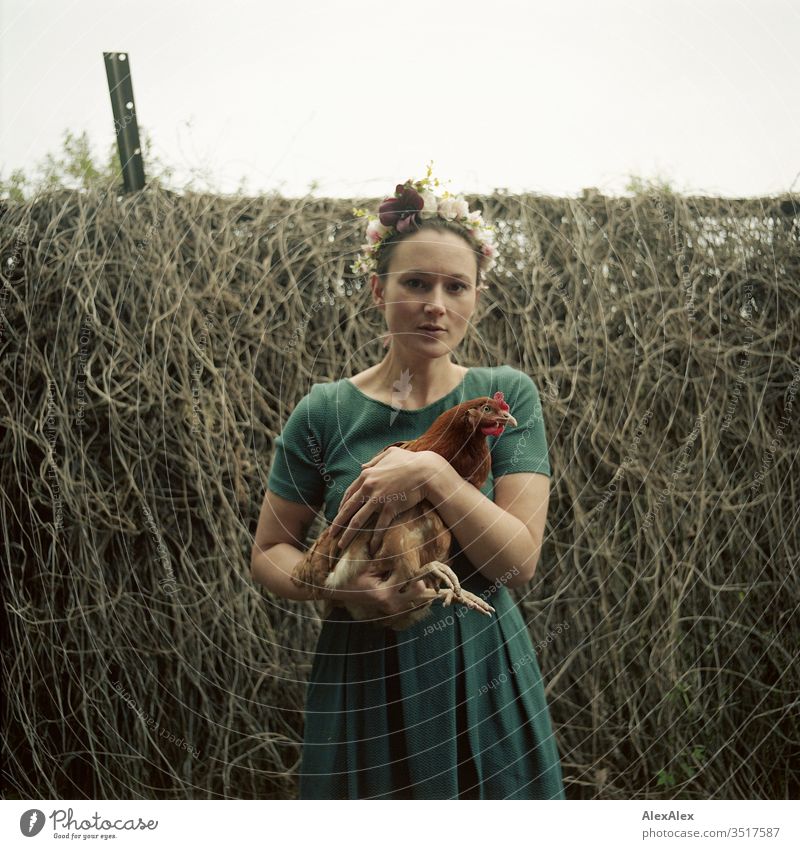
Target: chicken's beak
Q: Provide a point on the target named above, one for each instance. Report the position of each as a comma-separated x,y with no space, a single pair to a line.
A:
508,420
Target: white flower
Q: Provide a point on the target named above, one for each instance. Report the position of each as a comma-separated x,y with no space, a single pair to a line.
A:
429,210
453,207
461,207
448,208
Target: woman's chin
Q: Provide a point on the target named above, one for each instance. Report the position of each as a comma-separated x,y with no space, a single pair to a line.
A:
427,342
436,346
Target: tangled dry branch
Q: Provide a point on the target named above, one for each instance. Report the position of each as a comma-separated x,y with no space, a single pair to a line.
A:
151,348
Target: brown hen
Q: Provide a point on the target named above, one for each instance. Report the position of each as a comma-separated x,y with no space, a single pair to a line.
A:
417,543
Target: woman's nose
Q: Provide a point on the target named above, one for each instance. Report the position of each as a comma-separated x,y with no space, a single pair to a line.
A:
434,303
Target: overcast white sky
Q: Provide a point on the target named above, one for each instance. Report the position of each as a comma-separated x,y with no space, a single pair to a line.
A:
539,96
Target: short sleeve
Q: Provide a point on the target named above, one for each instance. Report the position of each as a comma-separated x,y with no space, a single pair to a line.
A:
298,466
524,447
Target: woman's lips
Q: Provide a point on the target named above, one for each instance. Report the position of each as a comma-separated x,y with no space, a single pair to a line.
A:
433,333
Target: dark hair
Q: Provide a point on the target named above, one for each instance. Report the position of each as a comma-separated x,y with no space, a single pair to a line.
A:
442,224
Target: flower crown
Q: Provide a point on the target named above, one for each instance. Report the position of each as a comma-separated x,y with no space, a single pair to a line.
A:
402,213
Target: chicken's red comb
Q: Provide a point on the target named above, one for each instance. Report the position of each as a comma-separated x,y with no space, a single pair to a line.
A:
498,396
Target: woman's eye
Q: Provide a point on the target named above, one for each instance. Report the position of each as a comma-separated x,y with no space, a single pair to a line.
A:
384,576
458,286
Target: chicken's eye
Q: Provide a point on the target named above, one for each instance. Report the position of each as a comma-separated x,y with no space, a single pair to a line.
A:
487,408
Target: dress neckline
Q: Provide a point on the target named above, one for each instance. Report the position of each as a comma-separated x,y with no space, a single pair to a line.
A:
455,389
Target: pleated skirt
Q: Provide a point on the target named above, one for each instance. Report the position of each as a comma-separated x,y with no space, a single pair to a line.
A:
452,708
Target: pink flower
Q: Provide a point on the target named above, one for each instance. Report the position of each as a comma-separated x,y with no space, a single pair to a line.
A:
376,231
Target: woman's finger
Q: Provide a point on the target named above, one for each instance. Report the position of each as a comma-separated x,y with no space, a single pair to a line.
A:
355,524
374,460
341,519
354,487
335,526
384,520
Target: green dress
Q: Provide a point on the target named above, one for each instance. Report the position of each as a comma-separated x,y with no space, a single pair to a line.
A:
454,707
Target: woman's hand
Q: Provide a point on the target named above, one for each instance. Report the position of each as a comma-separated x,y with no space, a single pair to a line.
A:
388,595
393,481
378,588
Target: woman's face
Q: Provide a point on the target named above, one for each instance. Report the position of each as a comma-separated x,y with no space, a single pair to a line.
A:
431,281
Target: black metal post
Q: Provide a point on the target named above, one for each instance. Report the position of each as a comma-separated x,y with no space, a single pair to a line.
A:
120,88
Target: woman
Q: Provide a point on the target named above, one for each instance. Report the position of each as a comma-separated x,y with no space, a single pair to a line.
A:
454,706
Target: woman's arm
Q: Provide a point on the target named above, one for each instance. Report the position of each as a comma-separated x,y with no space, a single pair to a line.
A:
277,548
501,538
273,568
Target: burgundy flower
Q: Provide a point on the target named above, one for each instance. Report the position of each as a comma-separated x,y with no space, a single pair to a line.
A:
401,211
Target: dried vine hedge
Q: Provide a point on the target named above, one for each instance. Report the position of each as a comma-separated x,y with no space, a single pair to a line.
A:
152,346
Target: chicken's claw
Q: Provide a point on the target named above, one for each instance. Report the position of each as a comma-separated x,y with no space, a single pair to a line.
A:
470,600
443,573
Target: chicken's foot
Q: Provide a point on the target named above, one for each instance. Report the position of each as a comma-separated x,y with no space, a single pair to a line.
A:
472,601
440,572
